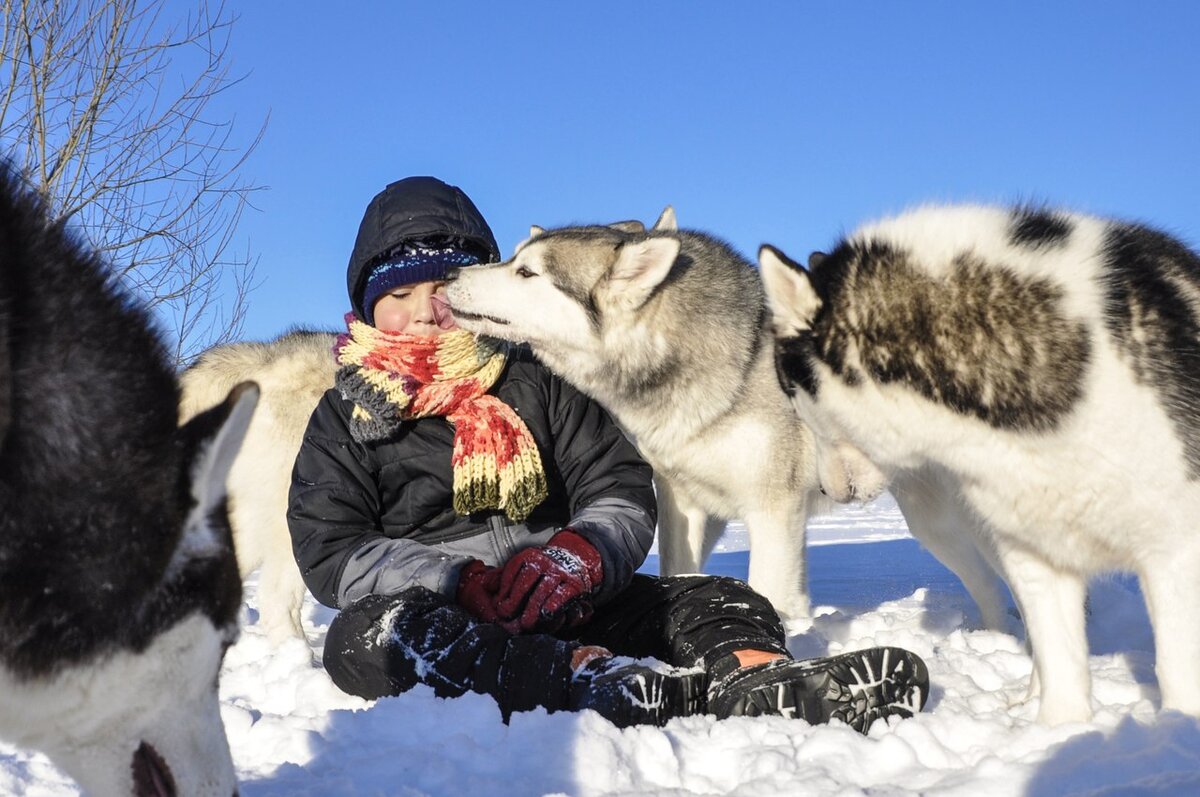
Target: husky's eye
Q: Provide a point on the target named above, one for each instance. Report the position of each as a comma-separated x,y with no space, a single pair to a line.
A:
524,273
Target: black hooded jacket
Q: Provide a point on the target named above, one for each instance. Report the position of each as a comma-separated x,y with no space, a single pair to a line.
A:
377,518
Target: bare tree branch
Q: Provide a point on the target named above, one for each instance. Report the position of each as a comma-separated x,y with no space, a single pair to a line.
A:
108,109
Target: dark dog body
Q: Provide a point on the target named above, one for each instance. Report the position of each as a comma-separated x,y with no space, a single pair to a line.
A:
118,587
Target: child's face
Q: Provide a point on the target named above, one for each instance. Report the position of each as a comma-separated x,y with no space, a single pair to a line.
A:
419,308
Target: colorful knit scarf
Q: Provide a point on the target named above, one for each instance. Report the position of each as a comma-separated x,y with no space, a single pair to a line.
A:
392,377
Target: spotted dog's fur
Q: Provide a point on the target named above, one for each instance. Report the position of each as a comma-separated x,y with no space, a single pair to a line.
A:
119,592
1045,366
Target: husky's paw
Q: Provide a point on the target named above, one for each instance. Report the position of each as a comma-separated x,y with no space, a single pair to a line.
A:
1189,706
794,611
280,631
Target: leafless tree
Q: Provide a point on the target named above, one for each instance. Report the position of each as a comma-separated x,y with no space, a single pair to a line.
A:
108,107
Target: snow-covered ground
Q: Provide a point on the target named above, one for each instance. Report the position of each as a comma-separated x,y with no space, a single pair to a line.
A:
293,733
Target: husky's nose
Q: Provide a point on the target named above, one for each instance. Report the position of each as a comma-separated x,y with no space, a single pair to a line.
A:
452,274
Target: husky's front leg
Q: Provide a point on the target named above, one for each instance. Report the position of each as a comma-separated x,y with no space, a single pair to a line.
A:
1051,603
778,569
940,519
686,534
1172,589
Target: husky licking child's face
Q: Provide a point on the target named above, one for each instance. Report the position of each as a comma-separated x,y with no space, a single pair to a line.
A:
415,309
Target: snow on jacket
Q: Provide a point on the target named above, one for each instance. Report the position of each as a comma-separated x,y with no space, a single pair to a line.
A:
378,518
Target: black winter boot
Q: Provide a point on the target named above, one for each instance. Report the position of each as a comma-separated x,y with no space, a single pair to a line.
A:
856,688
628,692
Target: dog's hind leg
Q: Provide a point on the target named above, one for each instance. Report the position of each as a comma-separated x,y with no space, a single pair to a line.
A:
281,596
777,558
940,520
1172,588
1051,603
262,528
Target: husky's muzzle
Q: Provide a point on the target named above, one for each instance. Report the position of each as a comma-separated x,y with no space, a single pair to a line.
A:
462,315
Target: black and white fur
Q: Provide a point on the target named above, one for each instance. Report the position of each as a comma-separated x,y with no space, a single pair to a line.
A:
1046,366
119,592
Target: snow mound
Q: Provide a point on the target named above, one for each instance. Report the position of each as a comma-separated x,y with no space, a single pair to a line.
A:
293,733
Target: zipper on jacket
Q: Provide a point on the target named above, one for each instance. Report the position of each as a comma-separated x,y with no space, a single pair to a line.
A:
502,541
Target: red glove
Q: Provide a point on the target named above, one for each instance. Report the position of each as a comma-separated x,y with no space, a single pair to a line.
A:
477,588
546,587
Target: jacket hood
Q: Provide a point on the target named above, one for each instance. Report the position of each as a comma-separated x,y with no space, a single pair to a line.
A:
412,209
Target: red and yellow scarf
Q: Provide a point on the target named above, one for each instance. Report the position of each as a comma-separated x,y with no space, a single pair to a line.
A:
392,377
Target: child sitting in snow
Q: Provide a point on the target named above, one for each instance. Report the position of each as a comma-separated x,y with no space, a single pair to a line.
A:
478,523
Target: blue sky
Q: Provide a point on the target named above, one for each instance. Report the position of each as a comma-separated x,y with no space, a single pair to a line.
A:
780,122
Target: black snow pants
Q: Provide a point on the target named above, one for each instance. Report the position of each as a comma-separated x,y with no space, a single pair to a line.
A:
385,645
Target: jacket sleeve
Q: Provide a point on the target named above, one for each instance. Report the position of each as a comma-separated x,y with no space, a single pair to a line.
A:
333,516
609,485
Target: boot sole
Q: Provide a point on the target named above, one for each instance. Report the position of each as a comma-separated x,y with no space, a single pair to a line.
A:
856,688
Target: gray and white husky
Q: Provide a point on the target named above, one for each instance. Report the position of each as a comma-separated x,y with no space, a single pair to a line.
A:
668,330
119,592
1047,365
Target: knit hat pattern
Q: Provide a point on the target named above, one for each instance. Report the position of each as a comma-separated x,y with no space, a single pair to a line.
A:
415,211
416,264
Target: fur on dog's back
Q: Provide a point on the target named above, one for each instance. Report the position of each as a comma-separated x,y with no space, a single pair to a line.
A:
1151,286
990,336
285,363
996,313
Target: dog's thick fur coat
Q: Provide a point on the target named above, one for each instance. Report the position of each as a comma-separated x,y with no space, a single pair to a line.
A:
119,592
668,330
1045,365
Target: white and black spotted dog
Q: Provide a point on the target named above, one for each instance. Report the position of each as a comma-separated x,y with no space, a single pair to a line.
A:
1047,366
119,592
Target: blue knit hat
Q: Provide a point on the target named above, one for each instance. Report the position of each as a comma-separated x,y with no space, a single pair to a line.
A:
414,263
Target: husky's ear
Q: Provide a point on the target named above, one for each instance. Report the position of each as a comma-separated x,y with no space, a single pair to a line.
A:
632,226
534,232
666,220
790,292
641,266
215,437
